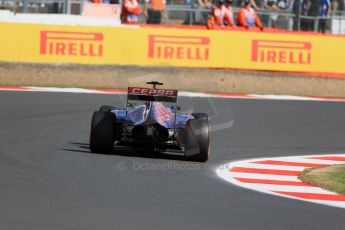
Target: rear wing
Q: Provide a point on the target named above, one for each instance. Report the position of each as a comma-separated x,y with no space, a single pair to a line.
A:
147,94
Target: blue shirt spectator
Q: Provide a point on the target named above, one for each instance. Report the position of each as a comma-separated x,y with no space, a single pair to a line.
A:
325,8
305,7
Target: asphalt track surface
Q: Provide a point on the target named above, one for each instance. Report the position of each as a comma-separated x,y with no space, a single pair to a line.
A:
50,180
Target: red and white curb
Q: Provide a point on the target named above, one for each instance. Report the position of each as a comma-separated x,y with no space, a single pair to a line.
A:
279,176
181,93
276,176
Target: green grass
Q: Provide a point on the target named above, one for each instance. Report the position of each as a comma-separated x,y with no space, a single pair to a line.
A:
331,178
339,176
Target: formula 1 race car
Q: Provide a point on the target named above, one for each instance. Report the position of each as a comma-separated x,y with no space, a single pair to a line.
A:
147,122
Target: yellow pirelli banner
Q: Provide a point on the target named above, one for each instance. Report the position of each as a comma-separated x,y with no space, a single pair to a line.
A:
172,47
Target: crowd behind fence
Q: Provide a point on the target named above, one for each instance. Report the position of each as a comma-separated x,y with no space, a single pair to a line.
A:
189,12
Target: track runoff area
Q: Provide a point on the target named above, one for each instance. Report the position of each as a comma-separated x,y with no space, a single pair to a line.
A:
276,175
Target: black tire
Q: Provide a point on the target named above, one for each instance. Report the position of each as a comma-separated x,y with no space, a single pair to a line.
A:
197,140
200,116
102,132
106,108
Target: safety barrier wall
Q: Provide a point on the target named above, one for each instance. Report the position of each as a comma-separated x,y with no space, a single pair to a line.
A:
178,47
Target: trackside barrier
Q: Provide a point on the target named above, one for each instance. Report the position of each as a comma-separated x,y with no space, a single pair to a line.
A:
179,47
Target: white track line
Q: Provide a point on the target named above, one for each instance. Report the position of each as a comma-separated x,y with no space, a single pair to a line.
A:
279,176
286,185
262,176
271,166
181,93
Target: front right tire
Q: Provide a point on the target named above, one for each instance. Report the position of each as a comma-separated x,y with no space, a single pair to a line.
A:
102,132
197,140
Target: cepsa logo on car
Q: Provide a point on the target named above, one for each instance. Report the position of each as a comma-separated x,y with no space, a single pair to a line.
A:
178,47
152,92
62,43
281,52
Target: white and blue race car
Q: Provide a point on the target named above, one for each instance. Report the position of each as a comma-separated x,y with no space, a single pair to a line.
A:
147,122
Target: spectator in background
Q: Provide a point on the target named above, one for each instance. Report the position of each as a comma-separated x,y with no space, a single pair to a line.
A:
207,4
314,11
257,4
254,5
337,7
273,6
247,17
221,15
305,7
341,5
153,10
334,6
105,1
130,12
228,18
306,24
270,4
284,4
200,17
216,16
325,11
320,8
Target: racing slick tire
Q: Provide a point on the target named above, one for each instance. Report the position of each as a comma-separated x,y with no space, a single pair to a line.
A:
102,132
106,108
197,140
